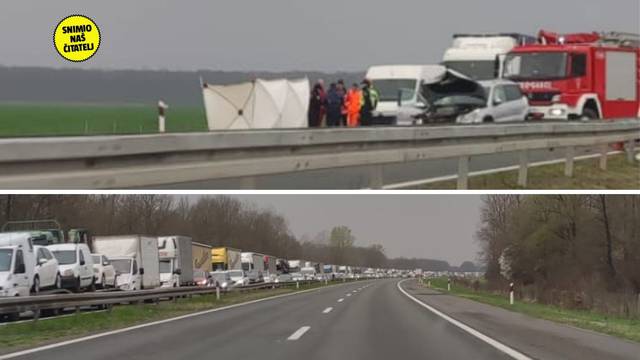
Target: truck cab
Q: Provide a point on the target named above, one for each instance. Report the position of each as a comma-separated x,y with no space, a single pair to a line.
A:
128,276
481,56
578,76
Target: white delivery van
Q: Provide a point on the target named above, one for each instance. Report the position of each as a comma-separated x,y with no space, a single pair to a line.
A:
397,84
481,56
135,259
17,264
75,265
175,254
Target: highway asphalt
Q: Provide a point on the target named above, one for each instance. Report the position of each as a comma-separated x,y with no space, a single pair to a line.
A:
357,177
365,320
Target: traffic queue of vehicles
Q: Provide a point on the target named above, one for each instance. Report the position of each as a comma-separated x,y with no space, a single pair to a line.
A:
50,259
514,77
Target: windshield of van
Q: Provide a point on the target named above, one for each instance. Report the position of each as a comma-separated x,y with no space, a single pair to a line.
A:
390,88
5,259
122,266
535,66
165,267
477,70
246,266
65,257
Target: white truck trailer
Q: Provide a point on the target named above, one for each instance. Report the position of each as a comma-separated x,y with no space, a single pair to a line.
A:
175,254
134,257
253,266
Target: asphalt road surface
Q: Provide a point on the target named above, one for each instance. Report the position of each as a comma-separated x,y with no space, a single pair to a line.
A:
358,177
365,320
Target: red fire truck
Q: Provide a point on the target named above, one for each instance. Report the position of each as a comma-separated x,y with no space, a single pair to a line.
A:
579,76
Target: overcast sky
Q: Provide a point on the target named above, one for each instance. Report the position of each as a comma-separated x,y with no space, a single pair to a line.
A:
287,34
428,226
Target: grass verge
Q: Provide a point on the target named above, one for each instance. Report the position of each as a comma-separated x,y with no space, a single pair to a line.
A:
621,327
587,175
19,120
14,337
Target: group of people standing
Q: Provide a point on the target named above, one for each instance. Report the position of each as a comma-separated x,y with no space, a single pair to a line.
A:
341,107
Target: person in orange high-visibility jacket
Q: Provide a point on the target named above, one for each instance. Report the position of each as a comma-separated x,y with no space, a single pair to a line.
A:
353,105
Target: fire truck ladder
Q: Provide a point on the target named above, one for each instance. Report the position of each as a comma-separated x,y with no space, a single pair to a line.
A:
621,39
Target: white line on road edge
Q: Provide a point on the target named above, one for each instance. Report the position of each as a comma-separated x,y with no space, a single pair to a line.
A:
341,300
348,294
298,334
415,183
495,343
327,310
91,337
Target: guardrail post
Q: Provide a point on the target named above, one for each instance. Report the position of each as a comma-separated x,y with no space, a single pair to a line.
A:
376,177
630,149
448,284
463,173
217,292
161,118
568,165
297,285
524,168
604,150
511,293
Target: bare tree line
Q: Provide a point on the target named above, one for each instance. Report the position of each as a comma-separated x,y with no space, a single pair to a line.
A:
213,220
572,250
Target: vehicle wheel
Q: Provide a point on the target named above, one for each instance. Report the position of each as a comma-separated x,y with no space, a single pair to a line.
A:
588,114
103,282
35,289
92,287
487,120
13,317
58,284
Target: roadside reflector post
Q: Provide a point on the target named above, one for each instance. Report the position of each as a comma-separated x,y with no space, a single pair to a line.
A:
162,106
297,284
604,149
448,284
429,284
630,149
463,173
568,165
511,295
217,292
524,169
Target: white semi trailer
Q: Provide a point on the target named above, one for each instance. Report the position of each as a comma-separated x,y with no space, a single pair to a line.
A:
175,254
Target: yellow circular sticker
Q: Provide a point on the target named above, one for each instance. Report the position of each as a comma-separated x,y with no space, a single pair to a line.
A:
76,38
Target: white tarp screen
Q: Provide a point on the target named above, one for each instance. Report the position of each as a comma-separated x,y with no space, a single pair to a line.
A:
262,104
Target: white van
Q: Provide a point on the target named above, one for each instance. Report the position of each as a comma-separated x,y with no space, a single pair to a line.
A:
17,264
48,275
75,264
397,84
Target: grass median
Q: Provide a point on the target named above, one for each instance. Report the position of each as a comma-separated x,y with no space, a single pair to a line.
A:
14,337
587,175
20,120
616,326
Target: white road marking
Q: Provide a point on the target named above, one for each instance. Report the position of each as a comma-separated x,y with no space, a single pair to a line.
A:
495,343
298,334
340,300
348,294
327,310
355,291
91,337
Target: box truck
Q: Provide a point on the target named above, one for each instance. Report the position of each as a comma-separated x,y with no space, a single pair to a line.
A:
270,268
226,258
253,266
134,257
201,257
175,254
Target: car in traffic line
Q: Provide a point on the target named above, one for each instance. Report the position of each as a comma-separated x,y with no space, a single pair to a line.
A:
221,279
76,265
238,278
48,275
104,271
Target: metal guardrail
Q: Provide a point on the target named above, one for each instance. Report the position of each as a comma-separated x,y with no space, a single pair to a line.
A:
40,303
138,161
